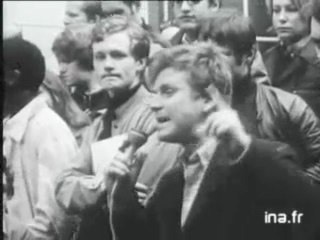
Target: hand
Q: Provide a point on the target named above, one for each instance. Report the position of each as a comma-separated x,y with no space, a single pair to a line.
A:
115,170
142,192
226,126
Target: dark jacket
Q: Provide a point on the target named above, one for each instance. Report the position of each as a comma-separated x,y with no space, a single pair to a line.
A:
285,117
294,73
231,201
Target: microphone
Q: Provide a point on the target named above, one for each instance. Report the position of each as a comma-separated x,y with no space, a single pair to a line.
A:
127,150
135,140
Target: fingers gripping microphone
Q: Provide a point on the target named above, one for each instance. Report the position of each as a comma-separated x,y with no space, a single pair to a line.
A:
135,140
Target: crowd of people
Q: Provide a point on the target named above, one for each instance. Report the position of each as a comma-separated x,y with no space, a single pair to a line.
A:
188,133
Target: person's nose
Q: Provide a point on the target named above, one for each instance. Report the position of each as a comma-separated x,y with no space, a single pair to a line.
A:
283,16
185,7
155,103
66,21
63,67
109,64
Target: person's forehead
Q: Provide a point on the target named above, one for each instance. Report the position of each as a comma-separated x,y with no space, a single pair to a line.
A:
110,6
283,2
118,40
172,77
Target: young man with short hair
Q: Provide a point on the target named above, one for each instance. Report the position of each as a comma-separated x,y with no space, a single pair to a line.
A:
120,51
223,173
37,146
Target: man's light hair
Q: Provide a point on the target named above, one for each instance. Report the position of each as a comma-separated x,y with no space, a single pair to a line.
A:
204,62
140,43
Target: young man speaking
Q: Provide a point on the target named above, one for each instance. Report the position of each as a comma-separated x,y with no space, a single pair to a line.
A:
223,172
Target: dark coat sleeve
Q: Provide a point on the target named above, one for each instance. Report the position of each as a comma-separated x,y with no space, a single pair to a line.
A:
128,219
272,165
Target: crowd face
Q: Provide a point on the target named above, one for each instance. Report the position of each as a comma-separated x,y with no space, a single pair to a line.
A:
177,107
114,63
111,8
187,12
72,74
287,21
74,13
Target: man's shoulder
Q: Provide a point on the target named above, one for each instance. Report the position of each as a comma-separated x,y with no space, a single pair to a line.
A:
281,97
47,120
267,149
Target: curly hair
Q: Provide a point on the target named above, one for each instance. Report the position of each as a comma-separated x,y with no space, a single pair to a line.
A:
204,62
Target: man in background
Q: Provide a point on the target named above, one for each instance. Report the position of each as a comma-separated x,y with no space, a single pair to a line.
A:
82,12
120,51
37,146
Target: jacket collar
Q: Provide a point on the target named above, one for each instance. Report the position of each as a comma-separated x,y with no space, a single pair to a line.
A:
216,174
139,97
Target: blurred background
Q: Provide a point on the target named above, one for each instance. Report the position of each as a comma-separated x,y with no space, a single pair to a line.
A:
41,21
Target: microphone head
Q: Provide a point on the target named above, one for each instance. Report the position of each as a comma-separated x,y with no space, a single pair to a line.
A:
137,138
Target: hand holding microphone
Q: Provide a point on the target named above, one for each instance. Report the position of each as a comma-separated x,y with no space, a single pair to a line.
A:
127,162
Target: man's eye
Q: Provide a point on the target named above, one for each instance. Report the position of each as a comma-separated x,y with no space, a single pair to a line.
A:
117,55
73,15
275,10
167,92
99,56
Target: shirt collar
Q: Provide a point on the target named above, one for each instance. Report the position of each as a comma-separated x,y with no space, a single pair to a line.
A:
202,153
16,126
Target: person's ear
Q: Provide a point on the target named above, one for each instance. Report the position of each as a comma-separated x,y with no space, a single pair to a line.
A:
12,77
249,58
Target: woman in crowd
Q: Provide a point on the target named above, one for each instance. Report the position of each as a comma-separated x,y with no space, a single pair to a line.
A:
289,63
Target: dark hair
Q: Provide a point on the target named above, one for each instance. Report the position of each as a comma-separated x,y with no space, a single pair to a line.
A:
92,9
316,9
205,63
22,55
140,43
229,28
75,44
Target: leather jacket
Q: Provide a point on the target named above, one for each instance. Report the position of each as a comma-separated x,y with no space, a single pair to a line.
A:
286,117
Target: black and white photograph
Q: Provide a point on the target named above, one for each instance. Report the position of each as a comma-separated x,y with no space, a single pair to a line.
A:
161,120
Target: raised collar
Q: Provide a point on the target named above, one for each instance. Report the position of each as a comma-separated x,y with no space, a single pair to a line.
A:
16,126
139,97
